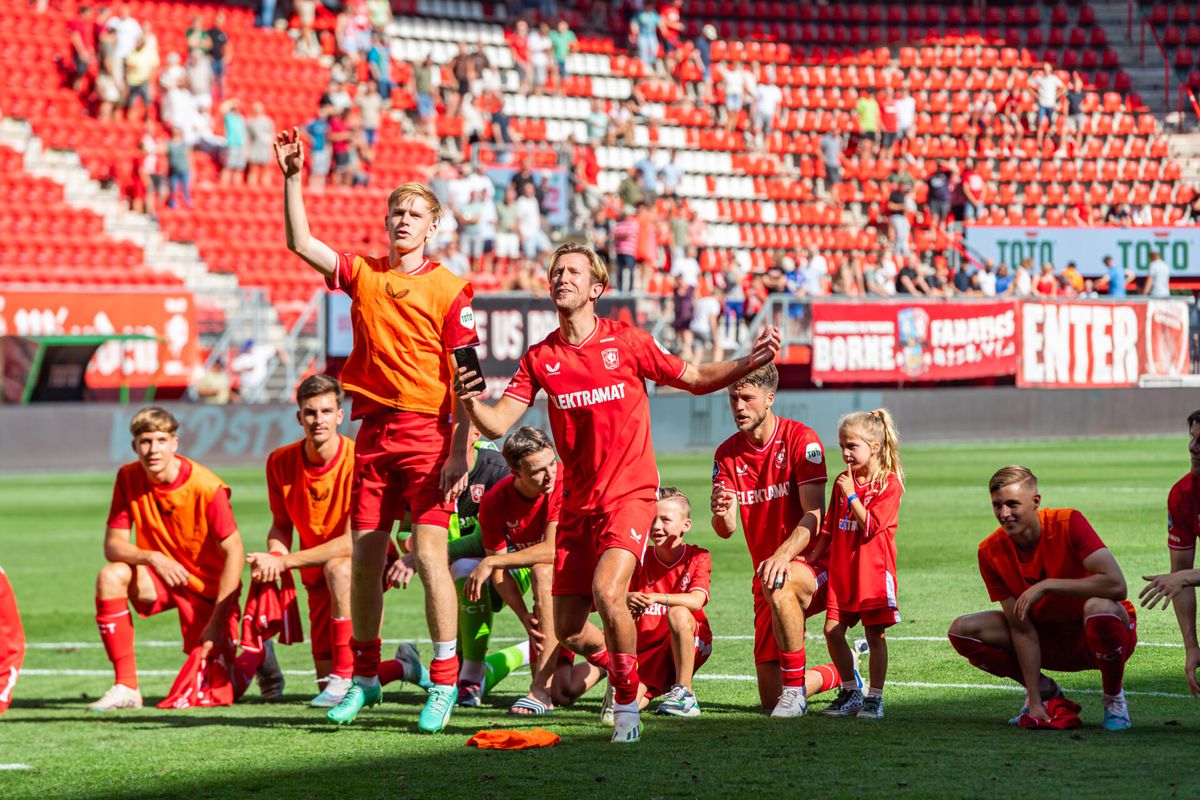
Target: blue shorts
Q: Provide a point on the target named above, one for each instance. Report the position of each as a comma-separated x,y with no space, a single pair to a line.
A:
425,105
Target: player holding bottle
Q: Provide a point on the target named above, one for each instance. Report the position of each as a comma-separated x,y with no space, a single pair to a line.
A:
861,525
594,370
674,639
1062,600
772,473
408,314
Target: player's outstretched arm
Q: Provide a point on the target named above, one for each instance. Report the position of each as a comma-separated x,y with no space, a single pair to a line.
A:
118,548
1028,648
492,421
229,589
705,378
289,153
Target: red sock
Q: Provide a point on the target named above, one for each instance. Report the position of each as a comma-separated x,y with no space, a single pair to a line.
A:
366,658
116,632
622,674
598,659
343,657
791,664
444,671
390,671
1106,635
1001,663
829,678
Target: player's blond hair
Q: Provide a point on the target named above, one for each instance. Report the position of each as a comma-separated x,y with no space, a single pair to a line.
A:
153,419
765,377
1007,476
877,427
596,265
413,189
671,493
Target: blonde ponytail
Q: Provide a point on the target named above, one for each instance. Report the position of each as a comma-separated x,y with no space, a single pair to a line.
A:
877,426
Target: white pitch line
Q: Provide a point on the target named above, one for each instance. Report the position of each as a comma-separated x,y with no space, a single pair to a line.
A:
11,767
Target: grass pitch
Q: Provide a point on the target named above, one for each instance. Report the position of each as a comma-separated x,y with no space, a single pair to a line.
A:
944,735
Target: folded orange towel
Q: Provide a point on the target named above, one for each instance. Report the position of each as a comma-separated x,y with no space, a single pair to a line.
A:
513,740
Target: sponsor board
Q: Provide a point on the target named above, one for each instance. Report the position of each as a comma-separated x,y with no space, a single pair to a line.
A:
1131,248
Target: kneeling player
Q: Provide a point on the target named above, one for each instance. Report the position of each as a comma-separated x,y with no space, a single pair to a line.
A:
667,599
12,642
772,473
1062,597
187,556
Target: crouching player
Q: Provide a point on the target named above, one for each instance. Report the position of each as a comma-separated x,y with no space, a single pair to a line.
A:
667,599
1062,600
772,473
12,642
187,556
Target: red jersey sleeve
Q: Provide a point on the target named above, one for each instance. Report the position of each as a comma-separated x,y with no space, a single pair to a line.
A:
655,363
523,386
883,512
700,572
220,515
490,528
808,456
996,588
1083,537
118,511
343,275
280,517
458,328
1181,519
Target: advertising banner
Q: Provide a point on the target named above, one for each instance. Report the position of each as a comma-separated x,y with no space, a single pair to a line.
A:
1082,345
919,341
1131,248
167,315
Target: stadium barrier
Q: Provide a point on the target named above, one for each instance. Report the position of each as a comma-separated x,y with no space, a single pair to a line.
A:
83,437
1131,248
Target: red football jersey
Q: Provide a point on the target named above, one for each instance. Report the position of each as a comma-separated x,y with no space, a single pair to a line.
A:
862,562
599,410
692,571
509,521
1182,514
767,481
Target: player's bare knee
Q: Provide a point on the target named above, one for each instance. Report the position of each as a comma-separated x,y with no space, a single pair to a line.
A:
1102,605
337,571
835,629
114,579
963,626
874,633
681,620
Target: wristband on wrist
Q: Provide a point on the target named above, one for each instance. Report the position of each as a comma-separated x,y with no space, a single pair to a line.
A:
850,500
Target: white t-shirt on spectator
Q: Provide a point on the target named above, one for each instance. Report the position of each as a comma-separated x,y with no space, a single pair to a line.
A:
987,283
884,277
128,31
735,81
1023,282
539,49
689,268
487,219
1160,273
768,96
529,216
1048,87
815,275
906,113
706,308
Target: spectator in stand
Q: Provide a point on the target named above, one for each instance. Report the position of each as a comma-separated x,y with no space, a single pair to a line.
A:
508,239
909,280
986,278
534,242
630,189
1046,284
888,124
867,109
767,97
317,134
545,71
670,175
260,135
670,31
1047,85
1115,280
683,303
970,192
1142,216
340,134
703,51
647,168
815,270
831,154
426,78
196,36
200,80
848,278
1158,277
562,39
1022,282
940,187
370,104
706,326
518,42
1118,214
306,14
882,279
525,177
899,205
336,96
625,238
140,66
179,164
597,122
462,68
739,85
940,283
643,32
906,115
1076,118
622,119
127,32
379,14
233,160
265,18
82,32
221,52
1073,276
379,66
173,74
1004,281
477,227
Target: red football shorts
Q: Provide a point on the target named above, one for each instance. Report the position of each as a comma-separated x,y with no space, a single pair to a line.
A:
656,666
582,538
765,647
398,458
871,617
194,611
12,642
1064,646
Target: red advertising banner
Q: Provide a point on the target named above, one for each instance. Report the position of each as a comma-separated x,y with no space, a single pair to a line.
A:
169,316
1082,345
919,341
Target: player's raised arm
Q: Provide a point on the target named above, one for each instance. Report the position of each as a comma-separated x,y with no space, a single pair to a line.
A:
289,153
705,378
